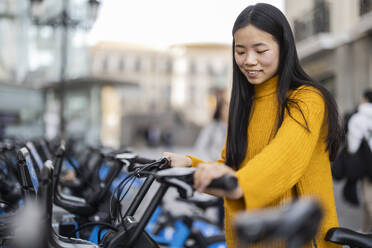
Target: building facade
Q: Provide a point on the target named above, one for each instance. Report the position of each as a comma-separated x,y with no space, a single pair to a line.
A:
334,43
32,57
161,84
21,106
111,90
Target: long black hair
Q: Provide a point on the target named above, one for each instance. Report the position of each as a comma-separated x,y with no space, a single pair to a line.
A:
291,76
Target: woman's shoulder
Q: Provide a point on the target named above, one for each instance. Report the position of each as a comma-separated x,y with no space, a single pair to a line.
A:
306,93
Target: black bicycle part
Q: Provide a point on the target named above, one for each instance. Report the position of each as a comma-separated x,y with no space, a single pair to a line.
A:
81,206
183,179
344,236
27,174
11,191
202,204
132,233
162,164
297,223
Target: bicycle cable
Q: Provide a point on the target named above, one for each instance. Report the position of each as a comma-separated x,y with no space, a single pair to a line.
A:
120,188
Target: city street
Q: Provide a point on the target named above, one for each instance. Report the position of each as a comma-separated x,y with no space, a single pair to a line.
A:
104,78
348,216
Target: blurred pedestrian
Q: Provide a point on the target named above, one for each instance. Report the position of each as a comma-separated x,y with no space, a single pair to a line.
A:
282,130
168,136
153,135
211,138
359,128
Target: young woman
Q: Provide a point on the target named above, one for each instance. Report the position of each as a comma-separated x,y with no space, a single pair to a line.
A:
283,127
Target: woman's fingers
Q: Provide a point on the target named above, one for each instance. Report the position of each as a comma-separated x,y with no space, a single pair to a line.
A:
215,192
167,155
200,177
205,173
177,160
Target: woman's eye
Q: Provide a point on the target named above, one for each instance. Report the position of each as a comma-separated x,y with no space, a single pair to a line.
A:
240,53
262,51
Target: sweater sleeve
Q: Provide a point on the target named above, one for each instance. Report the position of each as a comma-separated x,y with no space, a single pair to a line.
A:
280,165
196,161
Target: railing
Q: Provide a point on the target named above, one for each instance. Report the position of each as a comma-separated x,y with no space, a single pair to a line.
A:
315,21
365,6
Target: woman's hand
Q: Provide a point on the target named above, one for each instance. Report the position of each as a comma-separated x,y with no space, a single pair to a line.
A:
205,173
178,160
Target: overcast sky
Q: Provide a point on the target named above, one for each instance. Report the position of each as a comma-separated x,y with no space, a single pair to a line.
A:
164,22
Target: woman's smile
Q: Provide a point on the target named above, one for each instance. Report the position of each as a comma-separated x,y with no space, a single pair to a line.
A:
252,73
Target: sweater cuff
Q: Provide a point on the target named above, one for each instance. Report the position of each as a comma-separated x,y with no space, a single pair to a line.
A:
195,161
248,204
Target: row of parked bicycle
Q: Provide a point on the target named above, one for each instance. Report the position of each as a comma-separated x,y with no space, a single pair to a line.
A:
52,197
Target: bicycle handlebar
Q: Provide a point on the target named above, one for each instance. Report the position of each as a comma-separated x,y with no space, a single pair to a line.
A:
225,182
186,175
139,163
142,160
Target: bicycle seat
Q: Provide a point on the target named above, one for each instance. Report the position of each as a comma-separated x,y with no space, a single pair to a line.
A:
344,236
72,198
57,241
73,206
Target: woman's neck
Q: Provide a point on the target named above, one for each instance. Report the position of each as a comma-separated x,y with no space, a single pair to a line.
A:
268,87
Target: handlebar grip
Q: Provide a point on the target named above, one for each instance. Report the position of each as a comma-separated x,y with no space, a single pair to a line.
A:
142,160
225,182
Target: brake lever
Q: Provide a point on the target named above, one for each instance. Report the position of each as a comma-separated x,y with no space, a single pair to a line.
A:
181,178
158,165
126,158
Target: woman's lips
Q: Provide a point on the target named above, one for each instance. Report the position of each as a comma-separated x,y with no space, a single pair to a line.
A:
253,73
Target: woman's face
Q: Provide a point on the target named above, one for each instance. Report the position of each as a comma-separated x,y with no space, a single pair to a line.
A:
256,54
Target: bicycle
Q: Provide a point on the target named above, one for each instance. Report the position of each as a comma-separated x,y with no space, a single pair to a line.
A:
131,232
44,190
297,223
32,184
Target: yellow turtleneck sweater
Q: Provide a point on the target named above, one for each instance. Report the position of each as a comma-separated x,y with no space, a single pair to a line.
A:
274,165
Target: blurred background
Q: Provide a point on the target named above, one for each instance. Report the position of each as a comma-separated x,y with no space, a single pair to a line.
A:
150,74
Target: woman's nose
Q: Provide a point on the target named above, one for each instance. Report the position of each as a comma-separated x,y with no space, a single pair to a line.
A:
250,59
